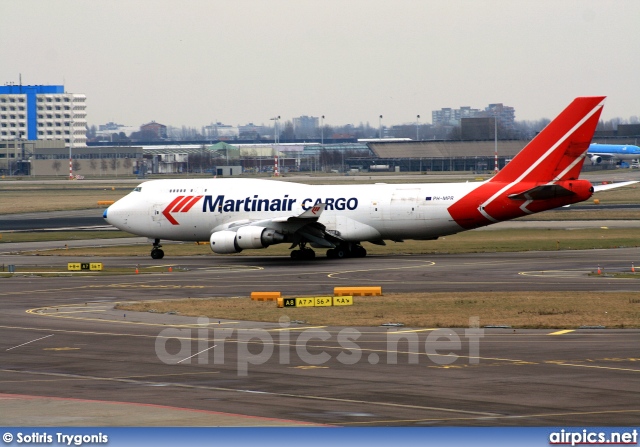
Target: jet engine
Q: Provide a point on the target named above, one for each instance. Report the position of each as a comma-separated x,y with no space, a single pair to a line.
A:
257,237
596,160
224,242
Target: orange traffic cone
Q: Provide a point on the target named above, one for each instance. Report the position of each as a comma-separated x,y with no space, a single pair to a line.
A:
136,270
633,269
599,271
170,269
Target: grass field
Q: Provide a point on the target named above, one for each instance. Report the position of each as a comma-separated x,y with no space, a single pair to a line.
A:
75,195
466,242
430,310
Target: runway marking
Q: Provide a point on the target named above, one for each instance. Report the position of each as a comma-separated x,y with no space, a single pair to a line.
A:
309,367
61,349
76,311
260,392
197,353
331,347
552,362
426,264
295,328
566,331
412,330
556,273
40,312
47,336
223,340
118,377
523,416
235,268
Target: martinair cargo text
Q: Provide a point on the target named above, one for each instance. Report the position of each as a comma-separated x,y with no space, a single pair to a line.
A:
238,214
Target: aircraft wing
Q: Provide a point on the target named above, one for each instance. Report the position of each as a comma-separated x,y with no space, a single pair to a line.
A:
299,228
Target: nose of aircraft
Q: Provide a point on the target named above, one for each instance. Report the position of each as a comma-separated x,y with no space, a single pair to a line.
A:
115,215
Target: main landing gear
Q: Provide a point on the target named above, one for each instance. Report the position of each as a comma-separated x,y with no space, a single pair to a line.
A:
156,251
303,253
347,251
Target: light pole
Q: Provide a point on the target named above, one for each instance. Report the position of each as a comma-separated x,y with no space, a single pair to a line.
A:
417,127
380,127
322,130
70,146
275,128
495,137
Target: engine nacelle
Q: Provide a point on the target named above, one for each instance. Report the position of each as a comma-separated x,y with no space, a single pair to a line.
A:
596,160
224,242
257,237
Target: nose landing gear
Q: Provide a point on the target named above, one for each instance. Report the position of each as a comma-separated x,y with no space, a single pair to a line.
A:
156,251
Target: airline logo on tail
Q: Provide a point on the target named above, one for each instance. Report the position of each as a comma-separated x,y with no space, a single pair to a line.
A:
180,204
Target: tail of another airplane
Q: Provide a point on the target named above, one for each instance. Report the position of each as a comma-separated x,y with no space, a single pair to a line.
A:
558,151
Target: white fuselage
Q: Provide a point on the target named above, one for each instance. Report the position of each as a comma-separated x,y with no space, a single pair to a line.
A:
354,212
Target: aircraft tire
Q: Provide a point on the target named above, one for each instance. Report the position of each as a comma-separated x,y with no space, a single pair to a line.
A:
157,253
295,254
309,254
331,253
359,252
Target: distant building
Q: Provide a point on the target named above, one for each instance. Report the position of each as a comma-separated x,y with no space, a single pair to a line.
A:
219,131
154,130
452,117
253,132
42,112
305,126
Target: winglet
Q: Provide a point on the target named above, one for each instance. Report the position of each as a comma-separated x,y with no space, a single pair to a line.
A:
313,213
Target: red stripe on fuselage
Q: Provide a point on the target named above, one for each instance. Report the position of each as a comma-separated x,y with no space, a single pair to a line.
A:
177,208
167,210
190,204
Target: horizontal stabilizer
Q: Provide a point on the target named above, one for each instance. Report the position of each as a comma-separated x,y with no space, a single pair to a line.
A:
612,186
542,192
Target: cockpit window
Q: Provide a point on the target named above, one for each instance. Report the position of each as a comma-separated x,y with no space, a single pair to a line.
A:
138,188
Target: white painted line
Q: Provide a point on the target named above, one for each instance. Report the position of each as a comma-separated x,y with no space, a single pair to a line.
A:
196,354
46,336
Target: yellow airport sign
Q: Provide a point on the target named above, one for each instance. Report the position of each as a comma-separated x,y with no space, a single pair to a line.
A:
305,302
78,266
316,301
343,301
323,301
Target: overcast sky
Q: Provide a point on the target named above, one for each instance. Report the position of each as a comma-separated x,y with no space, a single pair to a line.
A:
193,62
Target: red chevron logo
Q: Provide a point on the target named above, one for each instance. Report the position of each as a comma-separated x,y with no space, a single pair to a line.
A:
180,204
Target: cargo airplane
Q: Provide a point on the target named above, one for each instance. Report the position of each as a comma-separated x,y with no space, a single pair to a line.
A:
238,214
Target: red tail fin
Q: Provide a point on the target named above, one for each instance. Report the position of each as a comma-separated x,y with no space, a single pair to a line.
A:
542,176
557,153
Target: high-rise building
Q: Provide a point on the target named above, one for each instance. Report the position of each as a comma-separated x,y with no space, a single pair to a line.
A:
42,112
447,116
305,126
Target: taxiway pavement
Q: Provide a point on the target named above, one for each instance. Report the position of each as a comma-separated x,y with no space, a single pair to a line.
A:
78,347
